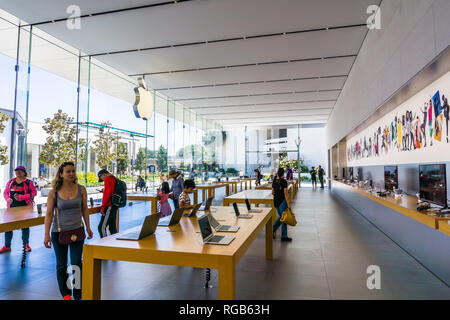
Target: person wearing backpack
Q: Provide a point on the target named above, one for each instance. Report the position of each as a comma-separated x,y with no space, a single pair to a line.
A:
108,209
19,192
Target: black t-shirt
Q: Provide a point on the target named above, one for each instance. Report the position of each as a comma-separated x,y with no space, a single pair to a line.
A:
278,187
313,174
17,188
321,172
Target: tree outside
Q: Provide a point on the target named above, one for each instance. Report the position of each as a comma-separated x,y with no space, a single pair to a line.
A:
61,142
161,159
3,149
105,147
140,162
123,159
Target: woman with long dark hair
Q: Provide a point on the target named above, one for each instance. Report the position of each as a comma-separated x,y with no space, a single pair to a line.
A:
280,196
66,210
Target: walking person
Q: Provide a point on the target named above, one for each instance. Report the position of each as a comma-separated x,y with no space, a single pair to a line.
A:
70,201
321,173
280,196
19,192
313,177
258,177
108,210
177,187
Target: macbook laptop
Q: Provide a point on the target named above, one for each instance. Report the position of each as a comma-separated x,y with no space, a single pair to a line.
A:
221,228
173,220
148,228
208,234
207,205
249,207
193,212
238,214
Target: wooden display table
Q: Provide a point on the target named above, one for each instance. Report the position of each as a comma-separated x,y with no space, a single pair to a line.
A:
180,247
256,197
141,196
26,217
209,190
406,205
444,227
231,186
268,186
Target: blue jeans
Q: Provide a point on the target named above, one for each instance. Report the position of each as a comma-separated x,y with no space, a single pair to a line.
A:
61,251
280,209
25,237
176,203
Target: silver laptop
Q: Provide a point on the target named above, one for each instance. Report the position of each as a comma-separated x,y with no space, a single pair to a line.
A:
240,215
208,234
148,228
194,211
249,207
207,205
221,228
174,218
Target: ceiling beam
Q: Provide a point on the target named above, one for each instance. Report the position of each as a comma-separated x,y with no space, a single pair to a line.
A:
160,4
250,82
257,95
187,44
242,65
264,104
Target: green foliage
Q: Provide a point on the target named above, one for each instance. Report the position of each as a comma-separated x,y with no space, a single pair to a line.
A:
61,141
105,147
306,179
123,160
92,179
284,162
161,159
3,149
232,171
140,163
304,169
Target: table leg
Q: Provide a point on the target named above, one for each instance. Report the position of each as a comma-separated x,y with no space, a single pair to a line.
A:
227,190
213,192
196,196
92,276
245,185
227,280
154,206
269,238
203,194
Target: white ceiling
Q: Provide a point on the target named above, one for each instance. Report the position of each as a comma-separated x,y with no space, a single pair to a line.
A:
272,79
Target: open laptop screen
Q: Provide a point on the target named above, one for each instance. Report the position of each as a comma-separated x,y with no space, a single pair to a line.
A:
205,228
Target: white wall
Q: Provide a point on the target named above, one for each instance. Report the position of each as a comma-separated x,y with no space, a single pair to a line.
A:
413,33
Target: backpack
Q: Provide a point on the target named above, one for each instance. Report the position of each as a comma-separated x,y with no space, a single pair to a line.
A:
27,182
119,198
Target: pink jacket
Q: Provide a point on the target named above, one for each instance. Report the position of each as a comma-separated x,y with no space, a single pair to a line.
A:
28,196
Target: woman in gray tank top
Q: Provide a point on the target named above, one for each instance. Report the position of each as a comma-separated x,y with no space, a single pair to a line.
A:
71,202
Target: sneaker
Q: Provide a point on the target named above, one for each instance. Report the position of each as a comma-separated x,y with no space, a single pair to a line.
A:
286,239
27,248
68,297
5,249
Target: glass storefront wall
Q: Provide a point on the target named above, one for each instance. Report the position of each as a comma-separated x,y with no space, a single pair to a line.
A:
57,84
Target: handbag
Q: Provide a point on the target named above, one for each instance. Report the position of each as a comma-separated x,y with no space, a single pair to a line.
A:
289,218
68,236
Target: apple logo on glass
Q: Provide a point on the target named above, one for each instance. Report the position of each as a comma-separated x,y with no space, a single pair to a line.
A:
144,104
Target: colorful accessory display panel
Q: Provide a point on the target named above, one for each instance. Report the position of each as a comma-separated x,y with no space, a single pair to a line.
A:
417,131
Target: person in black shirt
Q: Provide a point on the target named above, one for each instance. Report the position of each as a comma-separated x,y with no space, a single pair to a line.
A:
321,172
280,196
313,177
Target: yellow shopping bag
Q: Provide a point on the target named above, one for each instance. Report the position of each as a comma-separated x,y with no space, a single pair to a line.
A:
289,218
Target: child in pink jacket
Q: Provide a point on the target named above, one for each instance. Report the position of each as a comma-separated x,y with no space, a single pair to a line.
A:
19,192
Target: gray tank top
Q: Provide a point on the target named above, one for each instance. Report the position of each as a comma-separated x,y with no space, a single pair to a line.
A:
69,212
